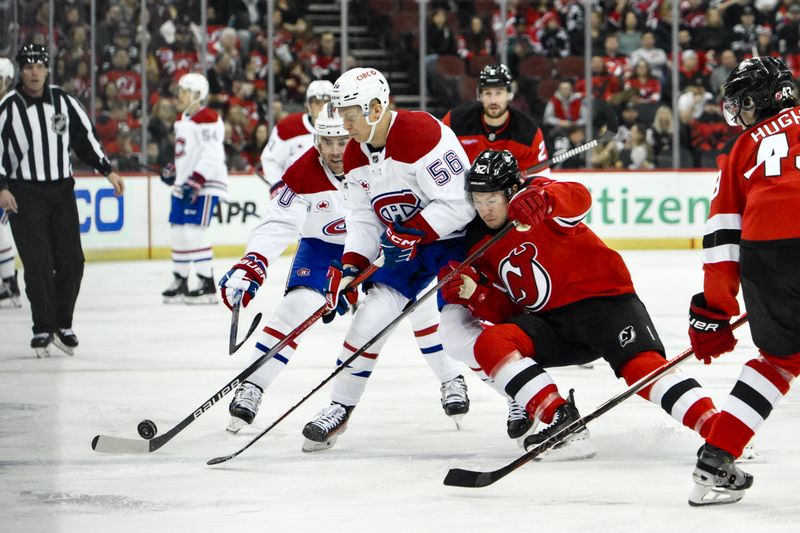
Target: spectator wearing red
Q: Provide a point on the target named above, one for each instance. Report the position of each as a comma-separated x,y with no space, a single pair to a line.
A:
564,110
617,63
121,74
604,85
325,62
708,134
690,71
644,88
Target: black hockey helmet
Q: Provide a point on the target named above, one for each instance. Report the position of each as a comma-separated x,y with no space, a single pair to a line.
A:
762,84
494,76
31,54
493,171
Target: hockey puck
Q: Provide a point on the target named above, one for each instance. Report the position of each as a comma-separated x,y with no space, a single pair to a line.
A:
147,429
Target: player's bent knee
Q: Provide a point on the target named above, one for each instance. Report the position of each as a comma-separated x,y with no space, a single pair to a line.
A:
497,343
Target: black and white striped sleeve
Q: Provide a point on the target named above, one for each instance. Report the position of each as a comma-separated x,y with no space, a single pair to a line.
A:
83,136
5,128
721,240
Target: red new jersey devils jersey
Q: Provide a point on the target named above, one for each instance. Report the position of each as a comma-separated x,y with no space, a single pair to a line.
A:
554,264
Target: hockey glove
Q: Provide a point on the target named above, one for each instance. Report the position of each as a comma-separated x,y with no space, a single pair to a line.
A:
246,276
530,206
709,331
399,242
466,287
191,188
338,297
168,174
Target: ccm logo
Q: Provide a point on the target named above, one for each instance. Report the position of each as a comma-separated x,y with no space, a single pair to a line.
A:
366,75
702,326
399,241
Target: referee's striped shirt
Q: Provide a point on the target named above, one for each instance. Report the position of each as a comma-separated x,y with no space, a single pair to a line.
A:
36,135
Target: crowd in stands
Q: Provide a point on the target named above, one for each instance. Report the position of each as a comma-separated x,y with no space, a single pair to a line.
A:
631,61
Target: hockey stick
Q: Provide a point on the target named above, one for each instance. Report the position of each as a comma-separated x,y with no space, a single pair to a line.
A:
407,311
108,444
567,154
458,477
234,322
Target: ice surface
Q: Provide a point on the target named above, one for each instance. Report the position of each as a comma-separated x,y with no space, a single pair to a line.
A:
141,359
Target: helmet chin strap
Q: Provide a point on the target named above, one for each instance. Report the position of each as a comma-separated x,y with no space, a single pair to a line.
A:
373,125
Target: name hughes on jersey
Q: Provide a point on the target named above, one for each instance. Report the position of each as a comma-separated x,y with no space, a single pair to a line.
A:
784,120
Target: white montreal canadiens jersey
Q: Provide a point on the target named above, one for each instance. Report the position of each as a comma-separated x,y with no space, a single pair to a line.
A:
199,148
419,173
289,140
312,205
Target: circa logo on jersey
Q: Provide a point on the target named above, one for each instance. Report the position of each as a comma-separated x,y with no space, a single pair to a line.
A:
337,227
527,281
626,336
389,206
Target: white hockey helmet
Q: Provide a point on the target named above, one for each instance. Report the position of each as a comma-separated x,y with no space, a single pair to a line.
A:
195,83
319,89
360,86
329,123
6,68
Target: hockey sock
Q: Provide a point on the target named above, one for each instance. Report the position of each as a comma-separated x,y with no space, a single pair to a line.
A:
425,321
201,252
6,257
762,383
679,395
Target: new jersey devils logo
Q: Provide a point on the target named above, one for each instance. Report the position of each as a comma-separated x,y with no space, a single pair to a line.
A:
337,227
527,281
389,206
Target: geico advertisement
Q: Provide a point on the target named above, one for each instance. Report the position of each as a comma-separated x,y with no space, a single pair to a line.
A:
140,218
645,205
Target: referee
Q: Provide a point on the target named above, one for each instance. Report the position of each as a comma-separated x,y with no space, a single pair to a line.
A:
39,124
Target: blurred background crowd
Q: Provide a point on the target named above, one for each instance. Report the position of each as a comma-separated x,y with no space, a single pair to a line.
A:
630,57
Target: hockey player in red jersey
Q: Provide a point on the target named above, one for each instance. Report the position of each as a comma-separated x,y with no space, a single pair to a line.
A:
752,238
557,296
490,122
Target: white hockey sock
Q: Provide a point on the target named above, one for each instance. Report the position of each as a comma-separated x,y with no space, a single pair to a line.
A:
189,244
201,251
425,321
6,252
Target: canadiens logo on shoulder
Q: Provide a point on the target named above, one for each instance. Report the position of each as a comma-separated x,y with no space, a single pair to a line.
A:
180,147
323,205
626,336
527,281
304,272
389,206
364,184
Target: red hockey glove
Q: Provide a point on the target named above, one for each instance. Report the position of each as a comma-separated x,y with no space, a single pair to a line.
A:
399,243
466,287
530,206
191,188
709,331
244,277
338,297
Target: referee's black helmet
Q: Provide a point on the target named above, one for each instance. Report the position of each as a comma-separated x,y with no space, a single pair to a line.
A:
31,54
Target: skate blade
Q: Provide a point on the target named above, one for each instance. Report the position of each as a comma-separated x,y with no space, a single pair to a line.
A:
310,446
173,299
703,495
63,347
576,449
206,299
457,420
235,424
42,352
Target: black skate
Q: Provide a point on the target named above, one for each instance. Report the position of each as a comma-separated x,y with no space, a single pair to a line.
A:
455,401
244,406
205,293
9,292
518,424
322,432
66,340
717,478
176,292
572,447
41,344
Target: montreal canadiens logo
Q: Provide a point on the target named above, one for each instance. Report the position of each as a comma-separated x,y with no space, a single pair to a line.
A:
304,272
323,205
337,227
389,206
180,147
527,281
364,184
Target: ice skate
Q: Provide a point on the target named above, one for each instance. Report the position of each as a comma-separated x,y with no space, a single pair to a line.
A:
41,344
518,424
9,293
455,401
717,478
322,432
573,447
204,294
176,292
244,406
66,340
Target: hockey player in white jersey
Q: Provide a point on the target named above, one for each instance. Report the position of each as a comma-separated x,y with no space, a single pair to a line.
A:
294,135
405,177
9,289
312,205
199,179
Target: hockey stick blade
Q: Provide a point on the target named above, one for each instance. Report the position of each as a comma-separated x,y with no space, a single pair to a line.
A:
108,444
459,477
253,326
406,311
